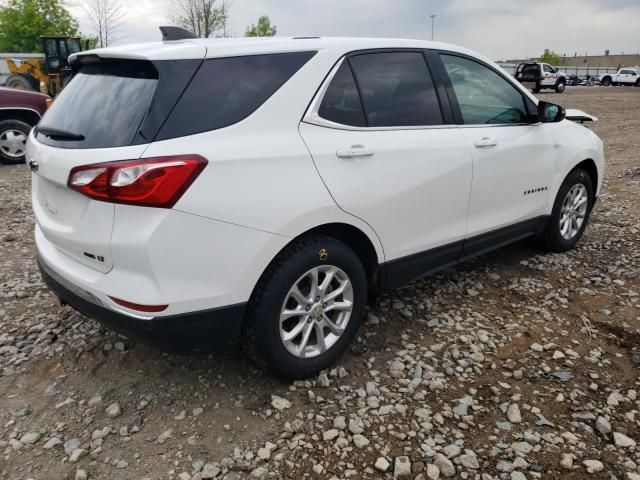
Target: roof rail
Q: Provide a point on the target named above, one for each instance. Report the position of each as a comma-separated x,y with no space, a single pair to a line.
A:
175,33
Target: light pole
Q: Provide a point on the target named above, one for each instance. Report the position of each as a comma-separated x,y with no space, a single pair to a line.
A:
433,17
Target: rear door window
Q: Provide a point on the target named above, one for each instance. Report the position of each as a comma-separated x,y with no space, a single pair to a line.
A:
225,91
104,103
341,102
396,89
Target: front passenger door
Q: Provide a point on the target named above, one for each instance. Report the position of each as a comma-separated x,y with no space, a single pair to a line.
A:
513,158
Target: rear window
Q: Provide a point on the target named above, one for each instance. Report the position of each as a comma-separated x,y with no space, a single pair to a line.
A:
105,103
225,91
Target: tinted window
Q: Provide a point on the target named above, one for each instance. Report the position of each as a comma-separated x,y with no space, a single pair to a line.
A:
341,102
105,103
227,90
396,89
484,96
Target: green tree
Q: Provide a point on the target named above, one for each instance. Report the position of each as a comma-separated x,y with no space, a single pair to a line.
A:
88,41
23,21
551,57
262,29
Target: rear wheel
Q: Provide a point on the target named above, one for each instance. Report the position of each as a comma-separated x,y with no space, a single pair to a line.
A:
306,308
560,86
606,81
570,212
13,140
22,82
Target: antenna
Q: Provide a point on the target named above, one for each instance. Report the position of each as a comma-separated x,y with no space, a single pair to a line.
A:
175,33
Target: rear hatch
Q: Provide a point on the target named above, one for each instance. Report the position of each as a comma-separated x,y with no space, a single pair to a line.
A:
111,110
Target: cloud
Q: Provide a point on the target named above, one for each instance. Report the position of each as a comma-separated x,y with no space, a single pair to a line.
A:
497,28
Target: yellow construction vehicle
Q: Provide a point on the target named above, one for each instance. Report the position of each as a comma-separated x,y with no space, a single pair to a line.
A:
49,74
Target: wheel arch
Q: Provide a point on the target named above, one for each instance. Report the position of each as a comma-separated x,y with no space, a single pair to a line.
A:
354,237
589,165
357,240
26,115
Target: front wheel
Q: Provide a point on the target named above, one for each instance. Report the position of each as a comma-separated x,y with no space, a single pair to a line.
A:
306,308
560,86
570,212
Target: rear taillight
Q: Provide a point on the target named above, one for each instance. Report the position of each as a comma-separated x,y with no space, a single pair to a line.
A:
149,182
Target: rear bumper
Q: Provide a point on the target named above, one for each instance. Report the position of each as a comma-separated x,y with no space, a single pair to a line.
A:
216,329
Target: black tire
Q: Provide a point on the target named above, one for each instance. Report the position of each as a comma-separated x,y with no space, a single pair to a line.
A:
261,332
606,81
560,86
637,84
551,237
22,82
536,89
7,126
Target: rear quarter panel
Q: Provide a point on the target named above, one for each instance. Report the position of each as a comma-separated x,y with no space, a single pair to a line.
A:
260,173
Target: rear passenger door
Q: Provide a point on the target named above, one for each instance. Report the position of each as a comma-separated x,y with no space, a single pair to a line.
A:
381,135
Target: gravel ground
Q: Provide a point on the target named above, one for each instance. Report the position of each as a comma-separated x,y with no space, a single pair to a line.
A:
517,365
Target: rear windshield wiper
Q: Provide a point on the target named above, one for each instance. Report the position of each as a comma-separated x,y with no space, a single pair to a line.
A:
58,134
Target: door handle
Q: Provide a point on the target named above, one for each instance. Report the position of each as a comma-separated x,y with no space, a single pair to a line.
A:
354,151
485,142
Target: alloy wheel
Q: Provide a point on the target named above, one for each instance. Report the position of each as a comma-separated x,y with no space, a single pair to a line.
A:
316,311
573,211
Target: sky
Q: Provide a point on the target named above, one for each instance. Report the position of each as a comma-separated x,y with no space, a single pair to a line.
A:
500,29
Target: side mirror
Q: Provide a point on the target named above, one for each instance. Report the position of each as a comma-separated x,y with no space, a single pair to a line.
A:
550,112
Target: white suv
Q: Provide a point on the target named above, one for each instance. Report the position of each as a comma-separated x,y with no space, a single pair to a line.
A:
218,193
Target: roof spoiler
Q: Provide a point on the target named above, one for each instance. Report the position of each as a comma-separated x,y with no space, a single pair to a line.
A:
175,33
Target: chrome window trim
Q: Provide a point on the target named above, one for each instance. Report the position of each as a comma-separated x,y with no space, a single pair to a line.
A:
312,116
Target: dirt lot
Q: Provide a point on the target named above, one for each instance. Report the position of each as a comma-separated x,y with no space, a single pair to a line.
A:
516,365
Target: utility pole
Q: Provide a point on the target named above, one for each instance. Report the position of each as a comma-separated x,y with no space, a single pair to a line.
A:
224,21
433,17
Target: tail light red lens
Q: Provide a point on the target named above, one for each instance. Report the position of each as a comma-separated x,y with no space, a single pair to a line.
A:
150,182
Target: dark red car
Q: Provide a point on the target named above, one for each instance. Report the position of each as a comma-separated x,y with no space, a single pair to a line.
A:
20,111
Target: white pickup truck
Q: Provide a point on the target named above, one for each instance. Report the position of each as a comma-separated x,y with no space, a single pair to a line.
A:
625,76
536,76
